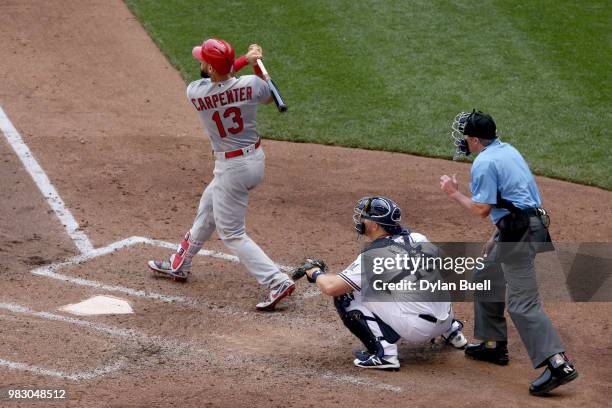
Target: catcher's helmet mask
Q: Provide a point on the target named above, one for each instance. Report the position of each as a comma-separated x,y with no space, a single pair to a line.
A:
381,210
477,124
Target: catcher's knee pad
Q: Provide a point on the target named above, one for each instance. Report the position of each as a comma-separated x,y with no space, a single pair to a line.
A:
356,322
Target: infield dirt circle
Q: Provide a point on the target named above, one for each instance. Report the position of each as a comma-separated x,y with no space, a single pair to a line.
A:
105,115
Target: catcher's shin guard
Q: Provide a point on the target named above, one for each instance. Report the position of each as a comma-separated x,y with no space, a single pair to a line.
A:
356,322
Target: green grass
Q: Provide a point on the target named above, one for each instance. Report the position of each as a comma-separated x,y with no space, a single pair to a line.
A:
391,75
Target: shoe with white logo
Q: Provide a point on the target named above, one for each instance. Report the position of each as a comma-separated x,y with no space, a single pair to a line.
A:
553,377
166,268
388,363
277,293
456,338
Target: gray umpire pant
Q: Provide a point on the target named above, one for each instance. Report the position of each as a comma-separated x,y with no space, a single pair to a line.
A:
522,299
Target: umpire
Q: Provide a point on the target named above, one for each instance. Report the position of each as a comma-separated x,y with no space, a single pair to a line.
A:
503,188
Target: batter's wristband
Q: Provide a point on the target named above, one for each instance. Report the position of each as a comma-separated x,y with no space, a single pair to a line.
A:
315,275
240,63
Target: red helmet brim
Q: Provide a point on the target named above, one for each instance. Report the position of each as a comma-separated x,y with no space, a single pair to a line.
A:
197,53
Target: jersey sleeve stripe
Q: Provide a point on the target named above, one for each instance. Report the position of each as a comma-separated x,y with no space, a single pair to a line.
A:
350,282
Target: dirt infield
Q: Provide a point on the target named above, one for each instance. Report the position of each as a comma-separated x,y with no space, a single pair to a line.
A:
106,117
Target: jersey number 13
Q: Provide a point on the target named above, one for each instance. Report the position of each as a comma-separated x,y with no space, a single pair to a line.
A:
237,124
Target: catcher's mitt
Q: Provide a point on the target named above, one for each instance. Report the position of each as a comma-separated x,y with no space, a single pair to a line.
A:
300,271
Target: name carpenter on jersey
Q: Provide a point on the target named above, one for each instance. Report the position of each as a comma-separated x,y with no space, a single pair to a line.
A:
241,94
423,285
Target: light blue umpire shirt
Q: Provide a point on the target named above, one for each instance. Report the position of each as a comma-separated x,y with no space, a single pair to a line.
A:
500,167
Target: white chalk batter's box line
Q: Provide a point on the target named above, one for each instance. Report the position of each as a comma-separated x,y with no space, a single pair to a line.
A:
49,271
180,347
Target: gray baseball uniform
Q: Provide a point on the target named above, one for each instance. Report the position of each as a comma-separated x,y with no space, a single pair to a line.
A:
228,113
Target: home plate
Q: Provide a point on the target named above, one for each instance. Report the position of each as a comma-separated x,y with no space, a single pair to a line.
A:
99,305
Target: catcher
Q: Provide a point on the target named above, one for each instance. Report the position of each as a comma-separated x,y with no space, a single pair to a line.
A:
380,324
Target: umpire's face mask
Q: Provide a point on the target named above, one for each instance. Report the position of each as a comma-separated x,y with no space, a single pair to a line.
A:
463,147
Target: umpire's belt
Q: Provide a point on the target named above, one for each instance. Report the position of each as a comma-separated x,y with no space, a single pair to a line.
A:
533,212
238,152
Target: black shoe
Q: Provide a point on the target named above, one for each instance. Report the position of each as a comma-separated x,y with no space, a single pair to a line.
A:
375,348
387,363
497,355
552,377
362,355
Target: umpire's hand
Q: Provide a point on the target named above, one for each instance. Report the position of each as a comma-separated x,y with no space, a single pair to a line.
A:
449,185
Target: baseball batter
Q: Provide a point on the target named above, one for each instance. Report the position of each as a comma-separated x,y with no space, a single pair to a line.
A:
380,324
227,108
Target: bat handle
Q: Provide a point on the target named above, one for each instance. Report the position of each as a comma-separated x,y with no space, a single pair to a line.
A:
263,69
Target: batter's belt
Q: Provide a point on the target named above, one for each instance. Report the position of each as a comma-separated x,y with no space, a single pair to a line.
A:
238,152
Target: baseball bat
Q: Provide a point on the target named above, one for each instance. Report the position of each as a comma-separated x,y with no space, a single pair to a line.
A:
278,98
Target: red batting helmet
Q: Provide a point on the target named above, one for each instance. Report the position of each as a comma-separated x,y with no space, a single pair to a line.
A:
216,52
